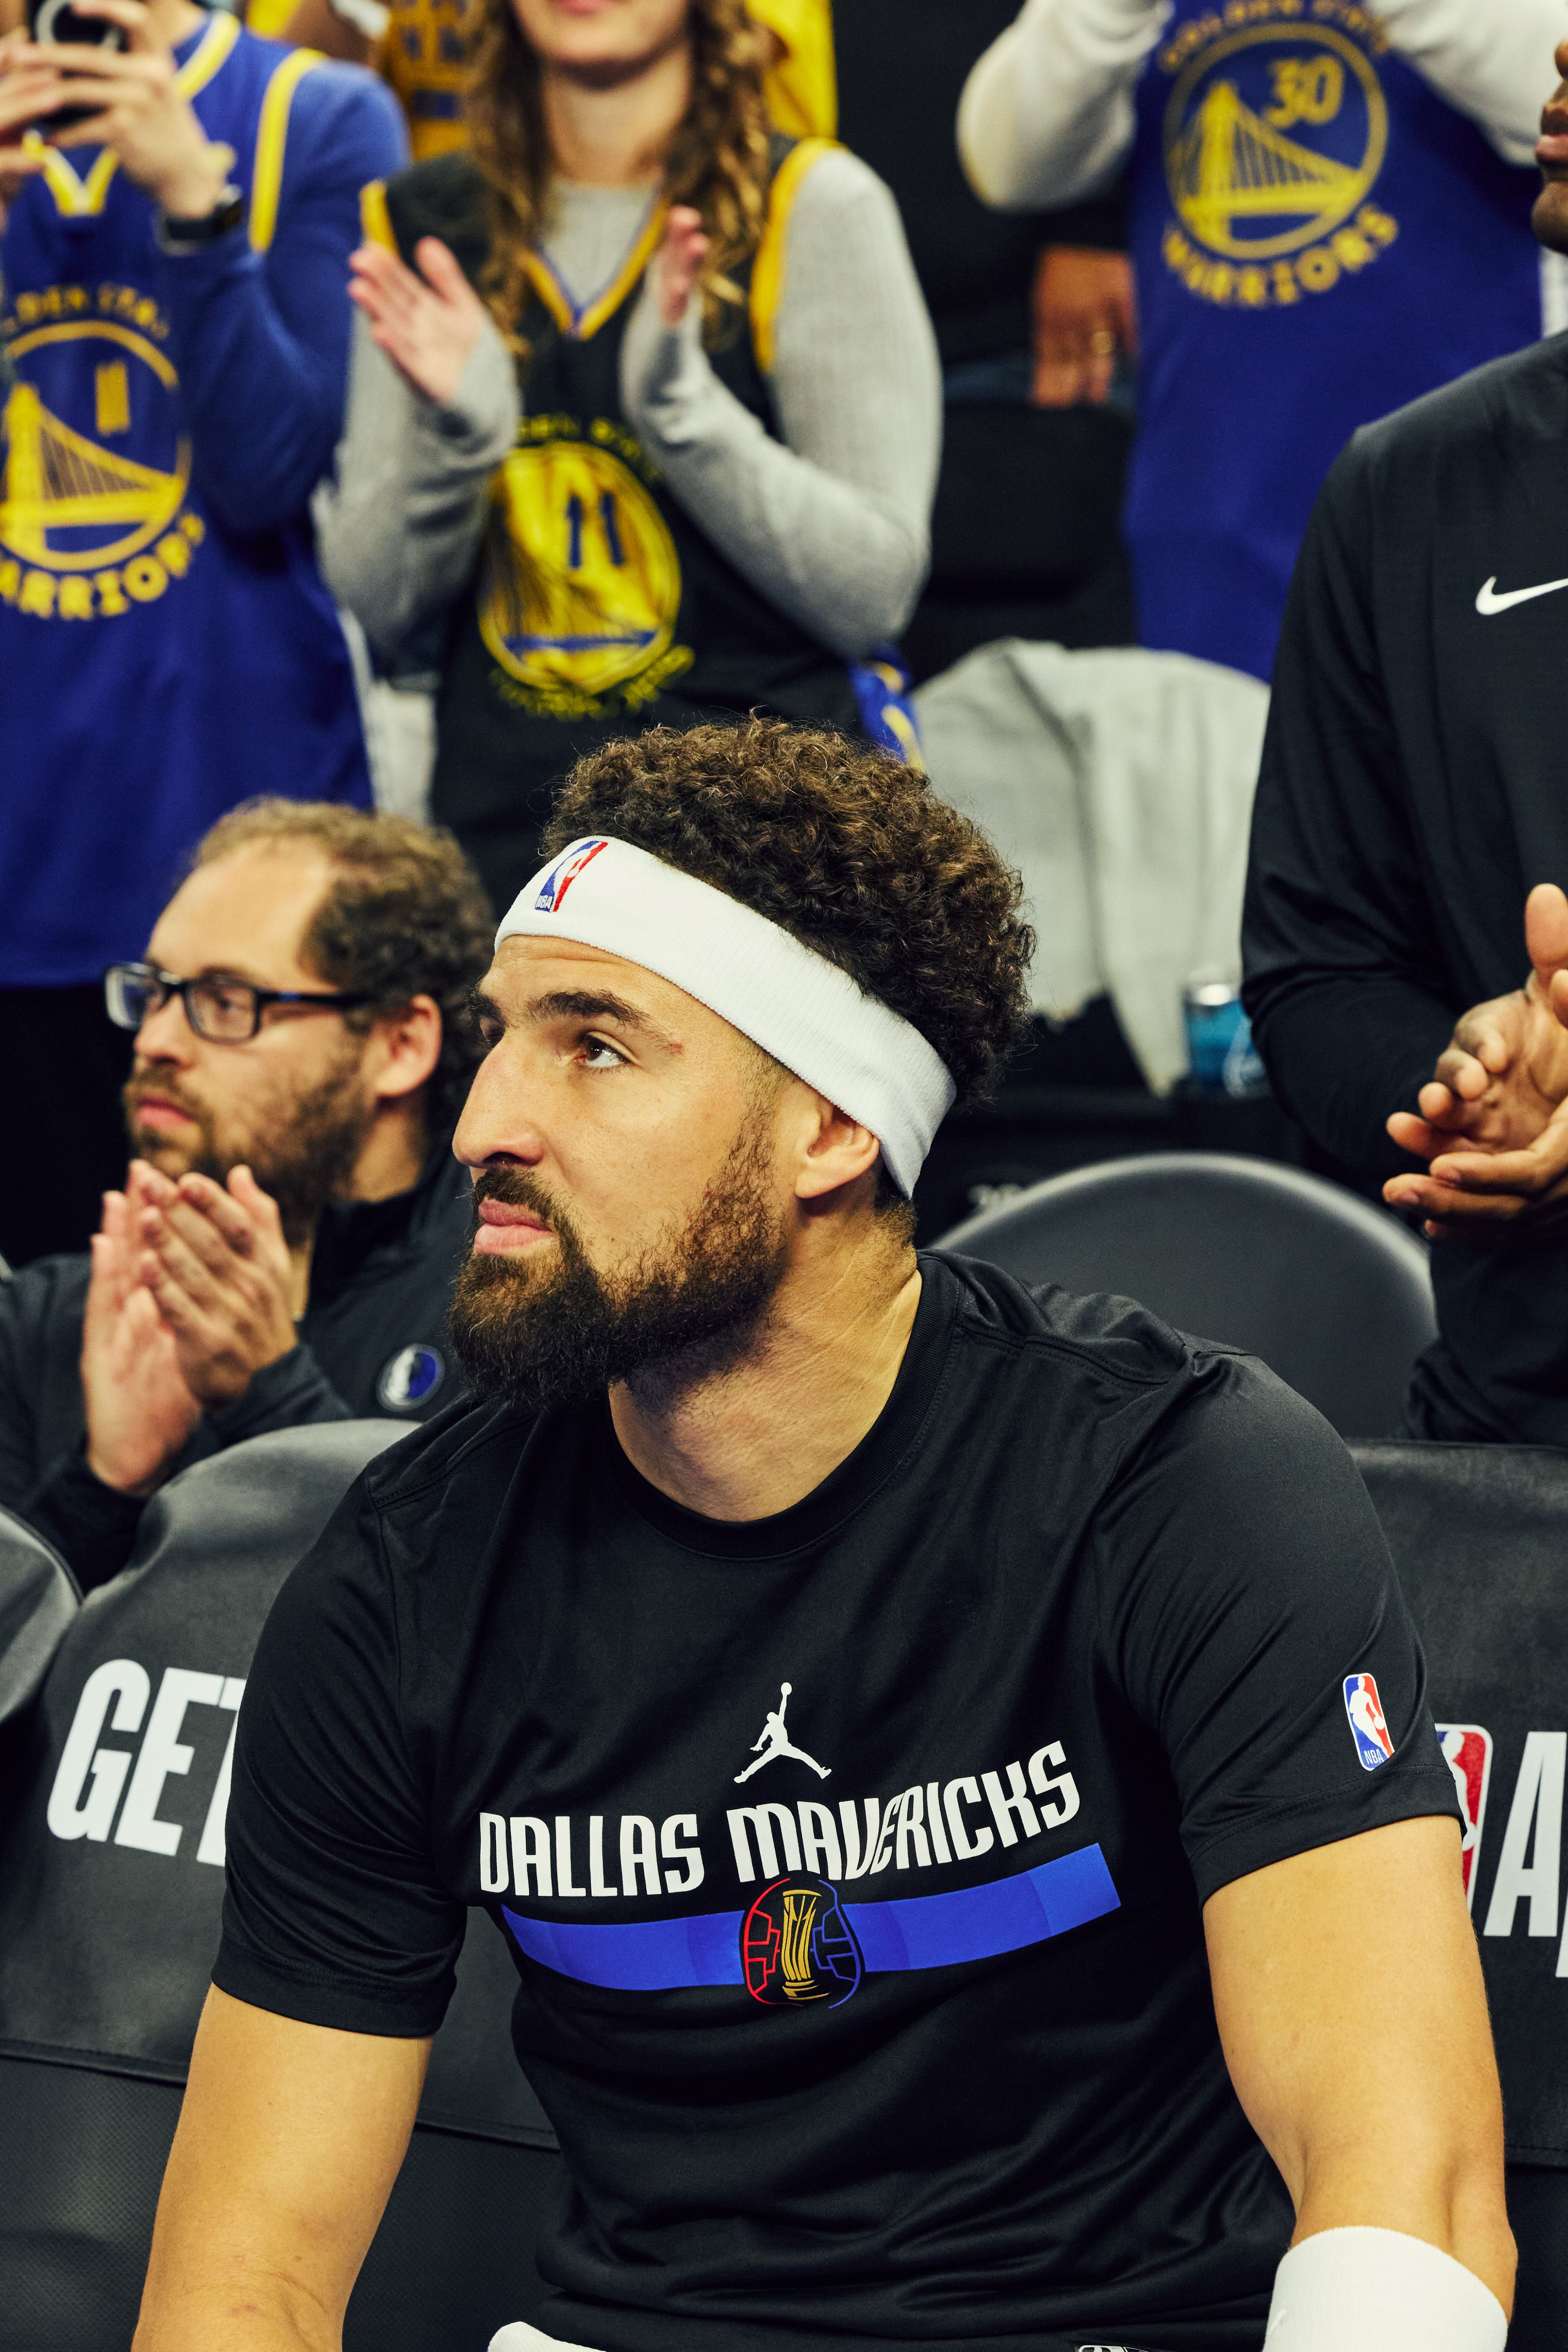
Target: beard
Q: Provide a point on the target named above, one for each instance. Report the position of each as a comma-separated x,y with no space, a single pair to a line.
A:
561,1332
300,1148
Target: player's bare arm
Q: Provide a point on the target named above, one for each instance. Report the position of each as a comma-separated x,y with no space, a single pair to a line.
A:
1348,1990
290,2141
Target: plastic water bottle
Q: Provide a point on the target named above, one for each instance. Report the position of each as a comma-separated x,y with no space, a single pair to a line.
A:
1219,1039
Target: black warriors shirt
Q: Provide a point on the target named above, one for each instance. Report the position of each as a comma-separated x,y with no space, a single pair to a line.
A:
852,1858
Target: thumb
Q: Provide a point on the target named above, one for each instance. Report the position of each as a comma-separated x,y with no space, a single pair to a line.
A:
441,271
1546,931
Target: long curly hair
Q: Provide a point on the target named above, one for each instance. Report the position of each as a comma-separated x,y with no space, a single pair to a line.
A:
718,161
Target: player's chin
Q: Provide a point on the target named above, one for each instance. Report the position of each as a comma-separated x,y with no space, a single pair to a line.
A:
1550,217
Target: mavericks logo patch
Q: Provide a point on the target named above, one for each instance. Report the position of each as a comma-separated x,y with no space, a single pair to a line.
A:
412,1378
1274,137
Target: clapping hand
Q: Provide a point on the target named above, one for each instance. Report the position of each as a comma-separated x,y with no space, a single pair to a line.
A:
215,1264
677,263
427,323
1493,1119
140,1409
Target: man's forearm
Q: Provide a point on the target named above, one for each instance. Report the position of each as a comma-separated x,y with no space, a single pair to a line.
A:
398,532
1046,113
1342,1052
1493,63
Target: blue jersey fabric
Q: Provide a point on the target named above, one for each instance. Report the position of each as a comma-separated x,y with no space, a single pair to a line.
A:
1318,238
166,645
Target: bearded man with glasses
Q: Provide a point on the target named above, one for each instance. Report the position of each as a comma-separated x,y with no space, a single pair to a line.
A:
291,1221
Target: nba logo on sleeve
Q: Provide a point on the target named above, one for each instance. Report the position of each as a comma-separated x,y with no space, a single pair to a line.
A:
1369,1726
1468,1753
559,878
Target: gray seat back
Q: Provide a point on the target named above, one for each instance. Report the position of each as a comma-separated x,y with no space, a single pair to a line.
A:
111,1855
1480,1536
1334,1295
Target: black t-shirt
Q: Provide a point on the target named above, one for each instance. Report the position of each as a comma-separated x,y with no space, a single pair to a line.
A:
1410,797
853,1857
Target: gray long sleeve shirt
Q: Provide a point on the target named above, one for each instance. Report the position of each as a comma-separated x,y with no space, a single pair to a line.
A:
831,522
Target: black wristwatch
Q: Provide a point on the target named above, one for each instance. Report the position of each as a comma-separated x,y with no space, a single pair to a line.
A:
183,235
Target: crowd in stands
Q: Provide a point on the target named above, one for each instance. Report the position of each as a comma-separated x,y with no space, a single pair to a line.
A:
1148,415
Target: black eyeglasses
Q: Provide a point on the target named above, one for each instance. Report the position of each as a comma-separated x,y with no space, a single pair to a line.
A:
223,1011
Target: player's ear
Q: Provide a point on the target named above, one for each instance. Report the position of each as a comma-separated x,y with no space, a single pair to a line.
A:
835,1150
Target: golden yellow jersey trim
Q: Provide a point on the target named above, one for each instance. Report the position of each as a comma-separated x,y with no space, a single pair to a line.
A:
271,142
768,269
79,198
802,88
374,216
581,326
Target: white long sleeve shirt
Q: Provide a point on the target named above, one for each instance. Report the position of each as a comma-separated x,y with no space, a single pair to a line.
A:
1047,115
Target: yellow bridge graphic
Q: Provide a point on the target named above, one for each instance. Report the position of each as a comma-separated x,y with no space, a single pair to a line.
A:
1229,165
56,479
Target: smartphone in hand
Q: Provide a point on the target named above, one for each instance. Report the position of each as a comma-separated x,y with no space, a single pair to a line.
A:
57,20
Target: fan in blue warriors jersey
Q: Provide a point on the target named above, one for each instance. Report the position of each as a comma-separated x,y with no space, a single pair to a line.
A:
1330,216
674,457
176,327
948,1762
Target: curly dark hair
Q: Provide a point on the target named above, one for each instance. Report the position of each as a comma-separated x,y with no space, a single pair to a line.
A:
844,846
404,916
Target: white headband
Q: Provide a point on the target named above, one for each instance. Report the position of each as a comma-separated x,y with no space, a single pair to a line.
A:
785,997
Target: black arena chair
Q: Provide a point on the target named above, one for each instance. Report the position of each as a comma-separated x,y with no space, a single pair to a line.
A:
1334,1295
110,1892
1480,1536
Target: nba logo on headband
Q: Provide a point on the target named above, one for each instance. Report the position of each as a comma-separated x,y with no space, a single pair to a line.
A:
564,873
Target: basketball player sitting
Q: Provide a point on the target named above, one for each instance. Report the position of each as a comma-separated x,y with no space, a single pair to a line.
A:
1091,1932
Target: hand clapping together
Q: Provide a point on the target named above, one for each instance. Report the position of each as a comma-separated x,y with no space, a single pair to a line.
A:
191,1295
1494,1121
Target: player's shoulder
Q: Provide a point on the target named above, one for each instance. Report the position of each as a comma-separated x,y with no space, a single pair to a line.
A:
1093,1337
1119,1387
1484,418
468,1453
442,196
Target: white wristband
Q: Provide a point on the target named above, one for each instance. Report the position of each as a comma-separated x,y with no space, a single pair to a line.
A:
1379,2290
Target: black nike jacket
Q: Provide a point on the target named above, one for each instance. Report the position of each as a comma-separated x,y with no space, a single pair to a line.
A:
1414,789
372,1341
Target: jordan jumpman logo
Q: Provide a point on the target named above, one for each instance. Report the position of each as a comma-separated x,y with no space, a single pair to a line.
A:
776,1742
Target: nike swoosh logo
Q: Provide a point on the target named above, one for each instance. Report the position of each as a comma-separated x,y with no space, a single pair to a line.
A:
1489,603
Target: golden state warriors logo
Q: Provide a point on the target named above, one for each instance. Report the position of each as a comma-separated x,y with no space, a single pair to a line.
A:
97,462
580,586
1274,136
797,1947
